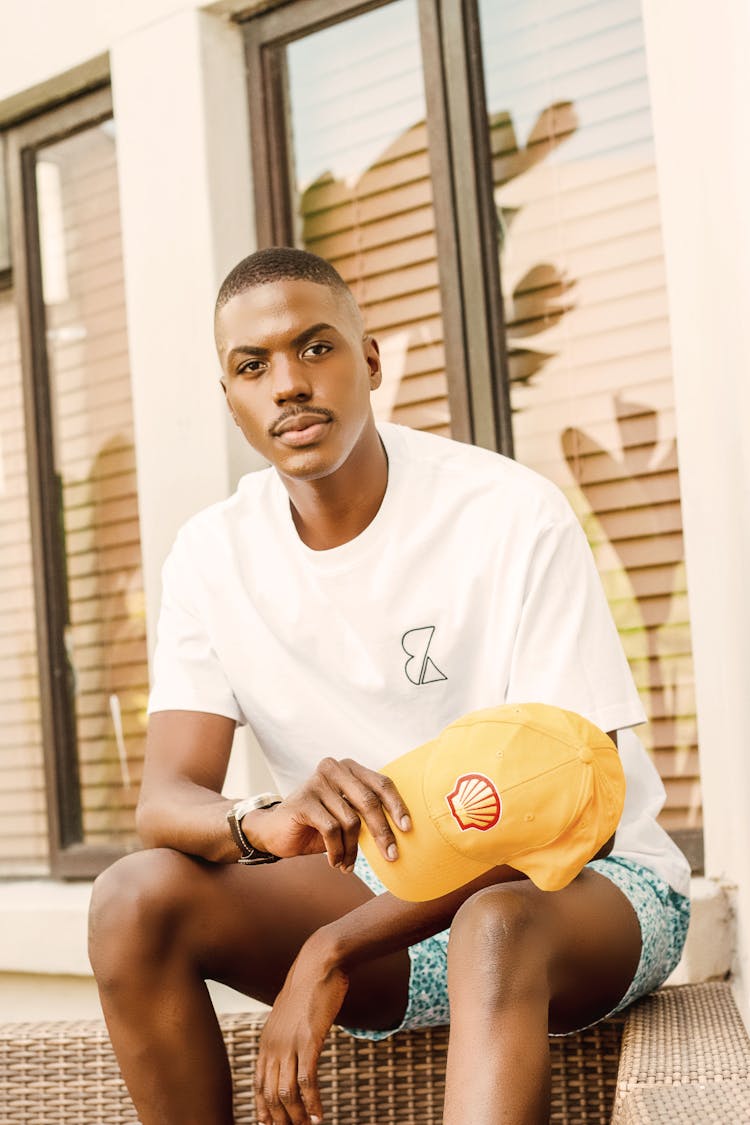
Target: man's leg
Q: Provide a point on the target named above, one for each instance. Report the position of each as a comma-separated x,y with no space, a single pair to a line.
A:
522,962
162,923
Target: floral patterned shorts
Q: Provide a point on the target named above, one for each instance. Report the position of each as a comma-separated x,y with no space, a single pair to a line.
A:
663,915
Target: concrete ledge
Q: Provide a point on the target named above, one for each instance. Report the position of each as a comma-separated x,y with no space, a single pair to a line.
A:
44,967
44,927
710,941
43,946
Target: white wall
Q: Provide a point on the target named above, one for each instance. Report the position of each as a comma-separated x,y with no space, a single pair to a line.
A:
41,40
184,170
178,78
186,210
178,81
700,87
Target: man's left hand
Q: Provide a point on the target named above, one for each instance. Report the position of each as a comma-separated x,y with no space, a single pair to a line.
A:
286,1076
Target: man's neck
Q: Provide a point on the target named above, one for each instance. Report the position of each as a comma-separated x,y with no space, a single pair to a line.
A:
338,508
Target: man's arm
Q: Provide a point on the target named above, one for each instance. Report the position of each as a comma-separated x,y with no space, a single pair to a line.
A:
317,984
386,924
181,805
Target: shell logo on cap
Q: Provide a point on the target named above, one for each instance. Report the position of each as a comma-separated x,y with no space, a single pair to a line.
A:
475,802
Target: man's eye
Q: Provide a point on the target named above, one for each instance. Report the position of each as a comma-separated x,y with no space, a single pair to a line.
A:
317,349
251,367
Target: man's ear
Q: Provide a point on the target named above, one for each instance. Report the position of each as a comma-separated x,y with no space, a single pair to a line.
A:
372,356
223,385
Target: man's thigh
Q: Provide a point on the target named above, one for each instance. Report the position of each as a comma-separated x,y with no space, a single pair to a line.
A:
586,944
244,925
593,936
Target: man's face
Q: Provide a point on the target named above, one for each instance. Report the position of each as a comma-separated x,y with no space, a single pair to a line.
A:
298,373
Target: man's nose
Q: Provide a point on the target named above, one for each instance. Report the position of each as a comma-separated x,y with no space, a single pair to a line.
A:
290,381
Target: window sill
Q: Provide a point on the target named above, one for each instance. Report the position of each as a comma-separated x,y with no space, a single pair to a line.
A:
44,927
43,940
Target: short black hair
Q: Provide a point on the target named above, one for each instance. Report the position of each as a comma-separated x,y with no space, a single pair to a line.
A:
281,263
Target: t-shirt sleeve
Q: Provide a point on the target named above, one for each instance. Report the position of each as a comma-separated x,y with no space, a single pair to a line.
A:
187,674
567,650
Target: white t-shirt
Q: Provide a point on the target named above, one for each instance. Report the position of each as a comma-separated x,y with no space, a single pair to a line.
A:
473,586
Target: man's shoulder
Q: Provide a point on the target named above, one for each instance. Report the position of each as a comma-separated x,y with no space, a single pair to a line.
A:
455,465
215,522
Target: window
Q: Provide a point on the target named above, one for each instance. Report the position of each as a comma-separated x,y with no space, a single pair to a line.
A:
481,173
4,232
362,194
348,161
90,685
23,821
587,327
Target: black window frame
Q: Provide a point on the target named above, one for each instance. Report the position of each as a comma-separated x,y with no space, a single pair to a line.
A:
6,268
471,297
465,215
69,856
460,159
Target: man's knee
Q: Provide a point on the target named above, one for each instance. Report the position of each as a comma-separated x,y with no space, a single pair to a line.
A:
498,936
135,909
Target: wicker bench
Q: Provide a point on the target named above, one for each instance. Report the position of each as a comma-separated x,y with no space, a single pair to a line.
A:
680,1056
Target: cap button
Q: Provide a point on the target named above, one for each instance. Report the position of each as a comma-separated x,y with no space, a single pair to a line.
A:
586,754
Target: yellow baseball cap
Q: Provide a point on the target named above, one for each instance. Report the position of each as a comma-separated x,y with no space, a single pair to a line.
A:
529,785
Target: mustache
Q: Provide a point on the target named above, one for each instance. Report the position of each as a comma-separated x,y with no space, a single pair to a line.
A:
293,411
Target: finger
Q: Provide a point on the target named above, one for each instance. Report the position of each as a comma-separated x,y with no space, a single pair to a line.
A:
351,789
290,1095
349,823
333,816
307,1080
390,798
262,1111
271,1097
385,790
373,796
268,1106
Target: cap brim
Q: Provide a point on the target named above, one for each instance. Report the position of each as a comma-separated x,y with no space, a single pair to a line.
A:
427,867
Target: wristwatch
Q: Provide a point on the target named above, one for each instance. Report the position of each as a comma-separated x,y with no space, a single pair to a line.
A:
248,854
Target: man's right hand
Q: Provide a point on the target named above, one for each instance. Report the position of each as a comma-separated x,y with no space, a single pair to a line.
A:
325,814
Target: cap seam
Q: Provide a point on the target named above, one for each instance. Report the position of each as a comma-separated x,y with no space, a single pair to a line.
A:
531,725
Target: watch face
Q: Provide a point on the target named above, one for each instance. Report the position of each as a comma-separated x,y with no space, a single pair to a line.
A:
243,807
249,804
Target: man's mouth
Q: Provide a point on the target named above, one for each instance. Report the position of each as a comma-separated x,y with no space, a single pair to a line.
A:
301,429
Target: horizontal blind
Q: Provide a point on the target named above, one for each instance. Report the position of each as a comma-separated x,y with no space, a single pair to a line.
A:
94,457
23,816
587,327
364,195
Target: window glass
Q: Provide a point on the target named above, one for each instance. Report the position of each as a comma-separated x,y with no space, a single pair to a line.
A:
4,231
587,326
23,819
363,194
79,227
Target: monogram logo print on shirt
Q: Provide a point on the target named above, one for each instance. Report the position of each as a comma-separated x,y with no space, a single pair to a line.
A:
419,668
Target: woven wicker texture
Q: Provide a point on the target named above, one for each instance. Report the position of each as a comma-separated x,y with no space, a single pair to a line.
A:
685,1057
65,1074
724,1104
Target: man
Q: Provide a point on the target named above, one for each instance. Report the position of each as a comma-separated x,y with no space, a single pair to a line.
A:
370,587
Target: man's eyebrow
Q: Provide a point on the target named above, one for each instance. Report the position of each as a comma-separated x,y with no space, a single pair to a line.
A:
257,352
308,333
245,350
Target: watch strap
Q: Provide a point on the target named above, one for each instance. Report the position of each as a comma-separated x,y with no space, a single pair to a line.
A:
249,854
